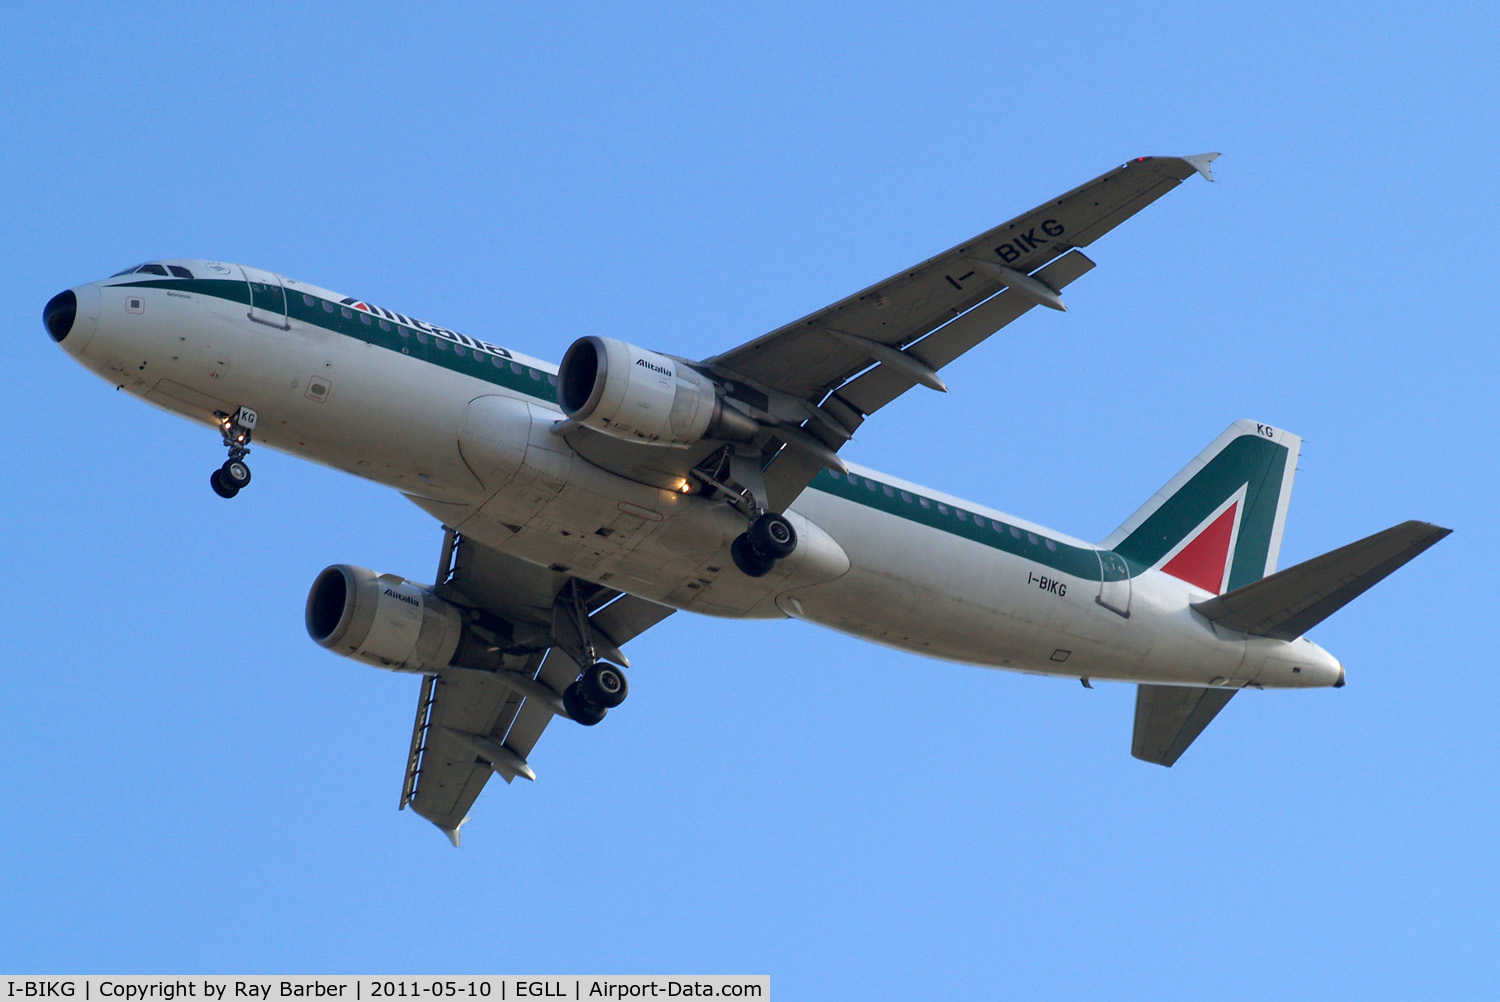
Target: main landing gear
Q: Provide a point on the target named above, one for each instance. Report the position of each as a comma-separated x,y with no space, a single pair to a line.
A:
770,538
600,688
237,430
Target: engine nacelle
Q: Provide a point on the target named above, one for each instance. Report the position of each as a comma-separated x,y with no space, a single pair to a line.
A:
641,396
385,621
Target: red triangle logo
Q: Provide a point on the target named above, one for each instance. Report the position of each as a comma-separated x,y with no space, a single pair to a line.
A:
1202,561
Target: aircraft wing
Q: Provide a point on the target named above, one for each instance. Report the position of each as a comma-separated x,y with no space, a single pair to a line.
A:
813,382
471,724
852,358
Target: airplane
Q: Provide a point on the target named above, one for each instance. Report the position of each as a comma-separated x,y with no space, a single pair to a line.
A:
584,503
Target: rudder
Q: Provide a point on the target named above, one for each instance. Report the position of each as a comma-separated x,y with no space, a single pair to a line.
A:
1218,523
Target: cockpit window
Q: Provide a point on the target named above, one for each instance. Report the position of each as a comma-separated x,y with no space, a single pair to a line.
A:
154,269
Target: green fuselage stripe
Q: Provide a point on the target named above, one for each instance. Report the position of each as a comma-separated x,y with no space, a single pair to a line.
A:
376,330
1078,561
373,329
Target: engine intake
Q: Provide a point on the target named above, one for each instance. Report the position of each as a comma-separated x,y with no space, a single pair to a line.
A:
641,396
385,621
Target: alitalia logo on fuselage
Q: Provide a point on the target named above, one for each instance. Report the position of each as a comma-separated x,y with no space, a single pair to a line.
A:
472,343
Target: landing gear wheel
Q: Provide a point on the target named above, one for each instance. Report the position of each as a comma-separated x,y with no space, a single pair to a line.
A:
235,473
604,684
747,558
773,535
221,486
580,708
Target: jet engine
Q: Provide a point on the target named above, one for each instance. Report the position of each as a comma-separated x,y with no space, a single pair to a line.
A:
640,396
385,620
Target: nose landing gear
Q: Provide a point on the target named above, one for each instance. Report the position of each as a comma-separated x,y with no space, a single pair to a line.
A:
237,430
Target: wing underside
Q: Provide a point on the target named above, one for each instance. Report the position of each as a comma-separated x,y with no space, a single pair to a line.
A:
471,724
813,382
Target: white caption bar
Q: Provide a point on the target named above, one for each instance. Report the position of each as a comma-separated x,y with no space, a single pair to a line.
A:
350,988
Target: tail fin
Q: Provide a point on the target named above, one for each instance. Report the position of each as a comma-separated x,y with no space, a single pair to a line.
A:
1218,523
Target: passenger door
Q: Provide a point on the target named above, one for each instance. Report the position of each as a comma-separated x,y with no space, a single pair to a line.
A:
267,298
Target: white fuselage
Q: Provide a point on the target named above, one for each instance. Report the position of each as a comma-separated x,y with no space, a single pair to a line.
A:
464,429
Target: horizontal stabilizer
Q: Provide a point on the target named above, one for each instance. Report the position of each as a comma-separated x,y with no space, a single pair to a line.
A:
1287,604
1169,717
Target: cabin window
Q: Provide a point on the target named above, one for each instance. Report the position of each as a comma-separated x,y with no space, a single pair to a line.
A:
552,380
459,350
890,491
535,374
906,496
346,313
308,300
179,271
1031,538
442,345
1015,532
979,521
925,503
422,337
516,368
963,516
1051,546
384,326
364,318
497,362
871,485
327,306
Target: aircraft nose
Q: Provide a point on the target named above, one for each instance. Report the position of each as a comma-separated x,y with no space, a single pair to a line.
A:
59,313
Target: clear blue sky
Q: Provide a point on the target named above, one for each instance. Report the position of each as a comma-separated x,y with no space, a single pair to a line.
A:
188,784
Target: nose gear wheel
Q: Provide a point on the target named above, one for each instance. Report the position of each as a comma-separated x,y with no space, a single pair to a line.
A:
236,429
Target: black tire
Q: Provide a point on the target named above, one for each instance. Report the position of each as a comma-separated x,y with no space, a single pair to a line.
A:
235,473
221,487
604,684
579,707
747,558
773,535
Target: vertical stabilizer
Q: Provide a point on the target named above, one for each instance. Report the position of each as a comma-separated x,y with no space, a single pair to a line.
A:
1217,525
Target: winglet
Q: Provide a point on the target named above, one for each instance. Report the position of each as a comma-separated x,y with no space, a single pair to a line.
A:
452,833
1200,163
